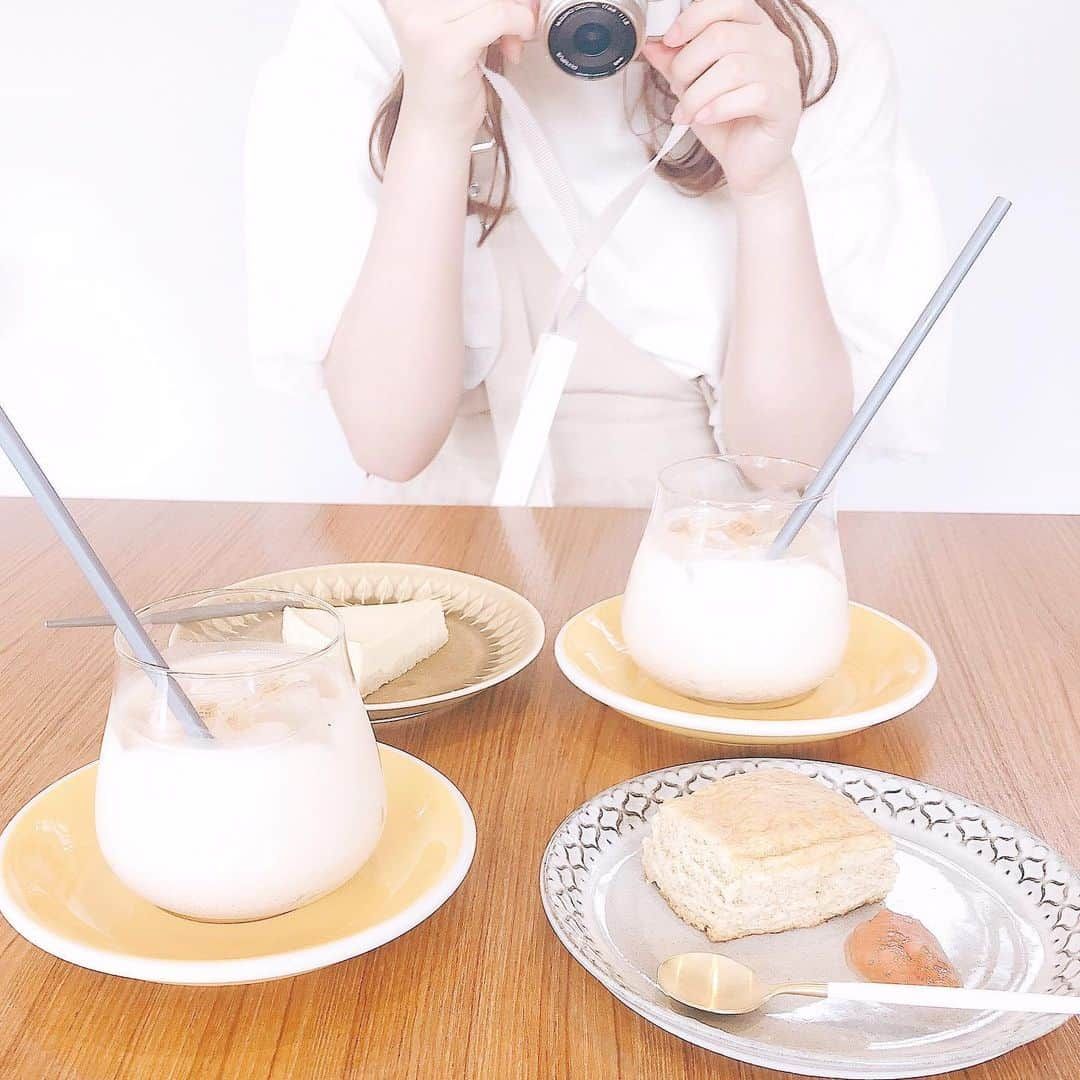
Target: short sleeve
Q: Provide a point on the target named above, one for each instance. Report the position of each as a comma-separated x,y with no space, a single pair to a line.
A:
878,234
312,197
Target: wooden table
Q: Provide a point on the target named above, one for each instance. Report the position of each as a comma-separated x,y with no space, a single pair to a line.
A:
483,989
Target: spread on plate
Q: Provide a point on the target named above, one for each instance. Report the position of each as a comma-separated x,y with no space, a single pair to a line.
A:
891,948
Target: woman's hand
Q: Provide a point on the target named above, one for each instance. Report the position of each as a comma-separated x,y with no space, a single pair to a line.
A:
442,43
735,76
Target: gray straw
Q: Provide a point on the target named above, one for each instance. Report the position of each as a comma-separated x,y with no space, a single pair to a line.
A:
882,388
175,616
86,559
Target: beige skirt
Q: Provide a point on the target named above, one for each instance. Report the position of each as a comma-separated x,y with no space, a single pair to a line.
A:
622,418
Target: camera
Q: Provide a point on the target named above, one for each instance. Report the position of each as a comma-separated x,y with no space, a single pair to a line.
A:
593,39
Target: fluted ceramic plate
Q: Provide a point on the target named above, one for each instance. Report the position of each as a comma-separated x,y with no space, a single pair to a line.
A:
1005,907
58,892
494,632
887,670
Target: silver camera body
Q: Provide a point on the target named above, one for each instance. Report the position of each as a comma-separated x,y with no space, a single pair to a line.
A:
594,39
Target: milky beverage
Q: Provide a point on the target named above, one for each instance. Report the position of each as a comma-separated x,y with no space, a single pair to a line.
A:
282,806
707,614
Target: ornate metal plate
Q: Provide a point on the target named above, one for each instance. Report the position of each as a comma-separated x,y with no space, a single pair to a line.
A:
1004,905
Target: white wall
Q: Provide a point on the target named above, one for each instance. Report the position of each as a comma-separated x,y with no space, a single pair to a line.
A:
992,90
121,290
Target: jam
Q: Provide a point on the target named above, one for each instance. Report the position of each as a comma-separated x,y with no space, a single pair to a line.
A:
891,948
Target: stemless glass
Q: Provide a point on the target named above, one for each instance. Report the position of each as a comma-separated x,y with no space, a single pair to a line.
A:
707,613
282,805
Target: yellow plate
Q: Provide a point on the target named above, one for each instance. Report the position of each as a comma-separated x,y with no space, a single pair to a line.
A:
887,670
57,891
494,632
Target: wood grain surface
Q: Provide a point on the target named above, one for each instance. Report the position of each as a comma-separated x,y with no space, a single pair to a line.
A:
483,989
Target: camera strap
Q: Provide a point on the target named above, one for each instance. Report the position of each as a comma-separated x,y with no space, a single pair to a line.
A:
554,355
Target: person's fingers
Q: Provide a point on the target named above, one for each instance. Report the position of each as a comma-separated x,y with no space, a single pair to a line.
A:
717,40
512,48
700,14
454,10
659,56
751,100
727,74
496,19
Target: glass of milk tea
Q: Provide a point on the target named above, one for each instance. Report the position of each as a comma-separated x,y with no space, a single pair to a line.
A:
285,801
706,613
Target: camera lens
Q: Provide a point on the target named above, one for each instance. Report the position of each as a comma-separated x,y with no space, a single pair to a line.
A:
594,39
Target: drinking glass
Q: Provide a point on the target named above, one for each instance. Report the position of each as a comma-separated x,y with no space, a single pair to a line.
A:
281,805
707,613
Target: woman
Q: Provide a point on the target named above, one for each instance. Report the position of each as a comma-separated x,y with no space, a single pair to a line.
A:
756,286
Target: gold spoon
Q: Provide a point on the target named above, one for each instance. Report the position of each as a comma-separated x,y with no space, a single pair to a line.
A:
718,984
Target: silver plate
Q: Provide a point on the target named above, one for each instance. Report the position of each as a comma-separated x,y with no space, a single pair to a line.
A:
1004,905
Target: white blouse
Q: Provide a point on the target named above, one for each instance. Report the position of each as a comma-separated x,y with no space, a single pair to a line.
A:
663,280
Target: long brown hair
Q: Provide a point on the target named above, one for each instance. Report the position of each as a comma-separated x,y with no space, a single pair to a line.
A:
694,172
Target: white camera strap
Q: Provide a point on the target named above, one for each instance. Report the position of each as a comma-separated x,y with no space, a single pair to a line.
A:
555,350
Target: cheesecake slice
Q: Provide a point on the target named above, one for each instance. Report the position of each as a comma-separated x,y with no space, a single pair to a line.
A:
765,851
384,640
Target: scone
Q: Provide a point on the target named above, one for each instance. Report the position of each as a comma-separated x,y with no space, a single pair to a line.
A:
765,851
